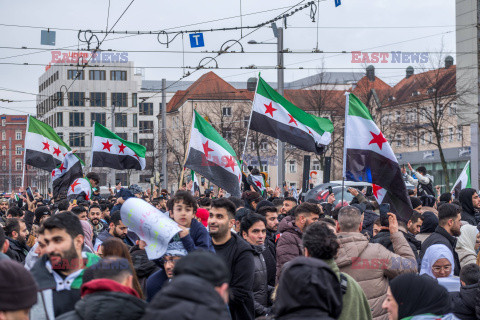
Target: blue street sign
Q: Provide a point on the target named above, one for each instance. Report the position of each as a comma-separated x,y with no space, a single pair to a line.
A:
338,2
47,38
196,40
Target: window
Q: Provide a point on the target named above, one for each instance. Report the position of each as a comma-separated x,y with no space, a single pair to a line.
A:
316,165
97,74
81,155
119,99
407,140
292,166
77,119
135,137
398,116
60,135
4,164
146,127
227,111
134,99
98,99
98,117
414,140
245,121
122,177
18,149
122,135
72,74
452,110
430,137
146,109
441,135
59,119
18,165
18,135
459,133
59,98
450,134
4,135
227,134
76,99
120,119
399,140
135,120
4,150
118,75
77,139
147,143
263,145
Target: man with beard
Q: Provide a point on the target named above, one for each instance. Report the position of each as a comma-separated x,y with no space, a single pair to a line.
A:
59,271
94,217
446,232
238,255
3,211
17,234
117,229
288,204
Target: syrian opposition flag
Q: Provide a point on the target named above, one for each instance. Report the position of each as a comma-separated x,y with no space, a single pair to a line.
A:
277,117
463,181
195,185
259,182
111,151
43,147
63,176
212,157
368,157
80,188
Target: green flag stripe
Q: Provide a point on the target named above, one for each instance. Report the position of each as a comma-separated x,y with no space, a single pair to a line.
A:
469,181
210,133
357,108
101,131
43,129
316,123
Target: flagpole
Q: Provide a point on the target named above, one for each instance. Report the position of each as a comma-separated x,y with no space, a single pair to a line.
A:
347,100
188,147
250,119
25,153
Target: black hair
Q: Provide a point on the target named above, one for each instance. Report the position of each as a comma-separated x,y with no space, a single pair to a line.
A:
63,205
263,210
226,204
320,241
313,201
377,222
328,221
237,202
113,268
470,274
93,176
65,221
78,209
15,212
187,198
255,171
170,205
205,202
93,206
422,170
291,199
115,217
447,211
415,216
11,225
241,213
251,196
307,208
410,192
446,197
249,220
2,238
277,202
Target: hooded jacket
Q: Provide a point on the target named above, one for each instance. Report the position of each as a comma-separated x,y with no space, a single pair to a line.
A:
464,301
430,223
106,299
441,236
289,245
468,211
187,297
372,265
308,289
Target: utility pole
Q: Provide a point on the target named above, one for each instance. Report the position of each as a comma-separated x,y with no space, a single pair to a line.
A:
10,164
112,175
280,84
164,134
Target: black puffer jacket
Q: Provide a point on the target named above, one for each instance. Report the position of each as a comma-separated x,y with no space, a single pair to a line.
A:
441,236
260,286
383,237
187,297
17,251
142,265
468,211
463,302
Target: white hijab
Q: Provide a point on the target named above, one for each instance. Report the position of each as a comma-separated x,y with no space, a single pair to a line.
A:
467,238
432,255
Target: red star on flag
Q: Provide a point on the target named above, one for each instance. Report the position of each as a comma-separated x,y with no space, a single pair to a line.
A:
239,177
136,156
74,184
53,173
258,183
206,149
270,108
107,145
292,120
230,163
310,131
375,189
46,146
56,151
121,148
378,139
61,168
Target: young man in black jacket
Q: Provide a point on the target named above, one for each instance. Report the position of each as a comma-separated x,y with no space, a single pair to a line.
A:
238,255
464,301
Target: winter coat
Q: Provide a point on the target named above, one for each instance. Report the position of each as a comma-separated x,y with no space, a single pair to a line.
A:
187,297
372,265
17,251
441,236
289,245
269,255
463,302
383,237
468,211
198,238
144,267
104,304
422,237
261,289
155,283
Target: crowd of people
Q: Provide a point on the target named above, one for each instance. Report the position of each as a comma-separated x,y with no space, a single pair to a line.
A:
264,255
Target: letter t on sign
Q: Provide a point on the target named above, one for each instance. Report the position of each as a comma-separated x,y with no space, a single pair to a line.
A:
196,40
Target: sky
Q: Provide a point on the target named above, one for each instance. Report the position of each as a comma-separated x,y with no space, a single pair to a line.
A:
356,25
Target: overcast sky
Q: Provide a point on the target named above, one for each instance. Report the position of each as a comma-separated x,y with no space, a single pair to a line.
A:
407,25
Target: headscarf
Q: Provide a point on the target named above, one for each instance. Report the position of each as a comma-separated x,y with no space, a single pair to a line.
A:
467,238
434,253
430,222
88,233
427,296
465,199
